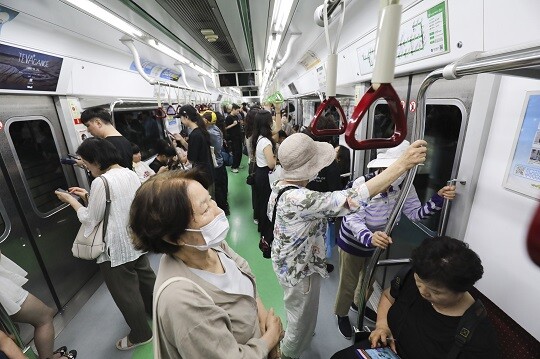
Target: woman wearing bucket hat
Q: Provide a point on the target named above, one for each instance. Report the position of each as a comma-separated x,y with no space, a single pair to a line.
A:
298,250
363,231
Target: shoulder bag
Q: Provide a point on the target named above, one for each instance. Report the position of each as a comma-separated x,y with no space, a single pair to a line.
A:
91,246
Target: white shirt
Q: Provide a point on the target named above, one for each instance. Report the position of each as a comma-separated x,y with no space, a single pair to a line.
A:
233,281
262,143
123,183
143,170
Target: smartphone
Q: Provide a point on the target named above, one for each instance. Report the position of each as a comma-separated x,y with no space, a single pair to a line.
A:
68,161
74,156
65,191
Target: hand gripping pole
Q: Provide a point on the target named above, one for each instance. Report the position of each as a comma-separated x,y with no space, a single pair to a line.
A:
331,80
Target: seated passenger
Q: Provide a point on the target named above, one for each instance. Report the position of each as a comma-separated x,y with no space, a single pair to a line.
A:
419,318
211,308
363,231
140,167
165,154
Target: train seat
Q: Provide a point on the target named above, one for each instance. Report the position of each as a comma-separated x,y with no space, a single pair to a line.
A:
514,341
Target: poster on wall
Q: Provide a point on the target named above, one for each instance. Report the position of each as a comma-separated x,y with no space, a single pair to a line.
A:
523,171
156,70
27,70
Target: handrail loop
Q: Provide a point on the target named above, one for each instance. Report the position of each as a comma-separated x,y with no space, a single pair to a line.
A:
130,44
331,81
381,82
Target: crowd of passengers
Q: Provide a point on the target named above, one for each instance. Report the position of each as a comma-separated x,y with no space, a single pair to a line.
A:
204,292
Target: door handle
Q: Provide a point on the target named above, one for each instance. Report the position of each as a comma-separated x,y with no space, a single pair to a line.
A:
443,223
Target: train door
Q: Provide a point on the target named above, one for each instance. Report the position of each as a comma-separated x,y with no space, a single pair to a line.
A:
447,109
31,143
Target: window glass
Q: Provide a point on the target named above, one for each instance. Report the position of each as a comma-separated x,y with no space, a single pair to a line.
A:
2,225
443,123
38,156
142,128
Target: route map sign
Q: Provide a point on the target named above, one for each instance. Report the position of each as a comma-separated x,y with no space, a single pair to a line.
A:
423,36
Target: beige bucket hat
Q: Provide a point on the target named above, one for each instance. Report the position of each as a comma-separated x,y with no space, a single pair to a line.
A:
302,158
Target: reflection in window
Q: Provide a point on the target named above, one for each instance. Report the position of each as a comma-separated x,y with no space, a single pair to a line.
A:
38,156
141,128
443,123
2,225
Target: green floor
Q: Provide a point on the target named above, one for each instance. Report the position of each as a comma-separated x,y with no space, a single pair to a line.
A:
244,239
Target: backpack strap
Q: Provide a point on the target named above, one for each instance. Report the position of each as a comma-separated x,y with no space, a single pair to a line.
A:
281,191
466,327
107,205
399,279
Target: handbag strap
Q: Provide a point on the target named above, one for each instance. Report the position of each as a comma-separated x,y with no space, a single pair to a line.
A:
107,205
155,325
281,191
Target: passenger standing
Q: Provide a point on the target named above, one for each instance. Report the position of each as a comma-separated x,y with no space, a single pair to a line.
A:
298,251
234,131
98,123
221,180
363,231
249,123
264,145
198,144
126,271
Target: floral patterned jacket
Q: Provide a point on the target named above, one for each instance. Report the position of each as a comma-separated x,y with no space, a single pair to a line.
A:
298,249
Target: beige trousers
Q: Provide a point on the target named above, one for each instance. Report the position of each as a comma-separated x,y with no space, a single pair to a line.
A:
351,271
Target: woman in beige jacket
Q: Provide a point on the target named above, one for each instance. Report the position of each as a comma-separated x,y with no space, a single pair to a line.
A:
205,299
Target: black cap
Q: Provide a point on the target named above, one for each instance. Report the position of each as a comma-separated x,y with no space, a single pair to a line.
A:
188,111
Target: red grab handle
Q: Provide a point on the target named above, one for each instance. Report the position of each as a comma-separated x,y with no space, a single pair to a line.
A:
387,92
330,101
160,113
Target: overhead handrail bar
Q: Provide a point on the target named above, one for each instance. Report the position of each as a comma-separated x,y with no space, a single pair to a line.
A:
331,81
183,74
513,59
381,82
292,39
111,109
320,13
130,44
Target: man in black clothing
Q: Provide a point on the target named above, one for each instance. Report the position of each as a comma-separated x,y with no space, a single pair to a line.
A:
234,131
98,122
164,156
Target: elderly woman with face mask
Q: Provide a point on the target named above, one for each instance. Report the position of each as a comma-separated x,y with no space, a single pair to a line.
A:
298,250
205,300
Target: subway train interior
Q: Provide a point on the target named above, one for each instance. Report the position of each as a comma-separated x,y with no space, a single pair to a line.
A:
462,75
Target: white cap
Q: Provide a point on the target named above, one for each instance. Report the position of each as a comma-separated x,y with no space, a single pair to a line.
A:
387,156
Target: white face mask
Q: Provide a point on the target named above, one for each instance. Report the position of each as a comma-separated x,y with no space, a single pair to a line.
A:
397,182
213,233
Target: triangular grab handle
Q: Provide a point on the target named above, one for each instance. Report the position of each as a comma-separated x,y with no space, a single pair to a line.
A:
327,104
387,92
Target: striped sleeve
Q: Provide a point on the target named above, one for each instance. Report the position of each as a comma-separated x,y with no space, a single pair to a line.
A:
414,210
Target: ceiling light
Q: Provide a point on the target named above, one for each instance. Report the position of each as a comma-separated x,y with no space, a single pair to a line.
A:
206,32
200,69
211,38
108,17
167,50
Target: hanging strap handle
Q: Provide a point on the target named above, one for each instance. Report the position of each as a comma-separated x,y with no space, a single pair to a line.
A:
383,75
331,80
159,113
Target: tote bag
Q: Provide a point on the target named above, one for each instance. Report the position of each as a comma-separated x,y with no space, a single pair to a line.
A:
91,246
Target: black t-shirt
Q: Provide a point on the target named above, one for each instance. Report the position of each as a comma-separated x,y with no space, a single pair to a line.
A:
327,180
156,165
234,132
124,149
199,152
423,333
